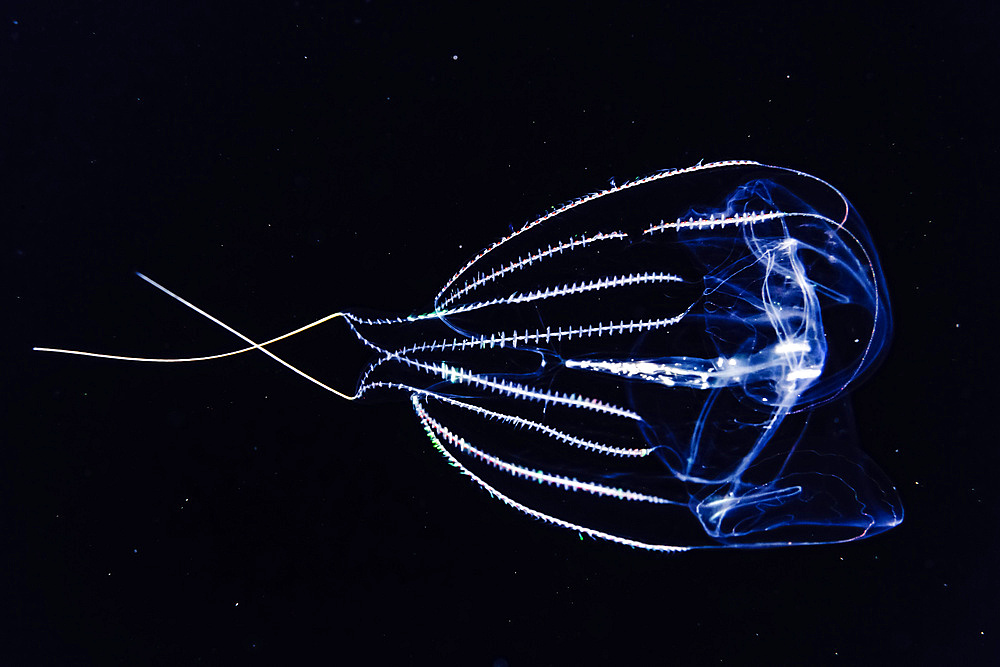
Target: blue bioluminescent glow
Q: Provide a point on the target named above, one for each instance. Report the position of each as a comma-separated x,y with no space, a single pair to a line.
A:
662,364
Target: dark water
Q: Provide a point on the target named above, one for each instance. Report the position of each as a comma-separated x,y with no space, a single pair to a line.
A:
277,165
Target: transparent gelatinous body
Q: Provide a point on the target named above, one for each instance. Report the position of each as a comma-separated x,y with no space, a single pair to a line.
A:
662,363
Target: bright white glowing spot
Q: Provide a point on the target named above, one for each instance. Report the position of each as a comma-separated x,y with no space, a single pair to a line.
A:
785,348
641,367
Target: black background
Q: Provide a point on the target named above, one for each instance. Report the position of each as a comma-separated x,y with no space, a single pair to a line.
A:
274,165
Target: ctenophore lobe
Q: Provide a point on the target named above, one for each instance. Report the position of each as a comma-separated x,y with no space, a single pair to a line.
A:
662,364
